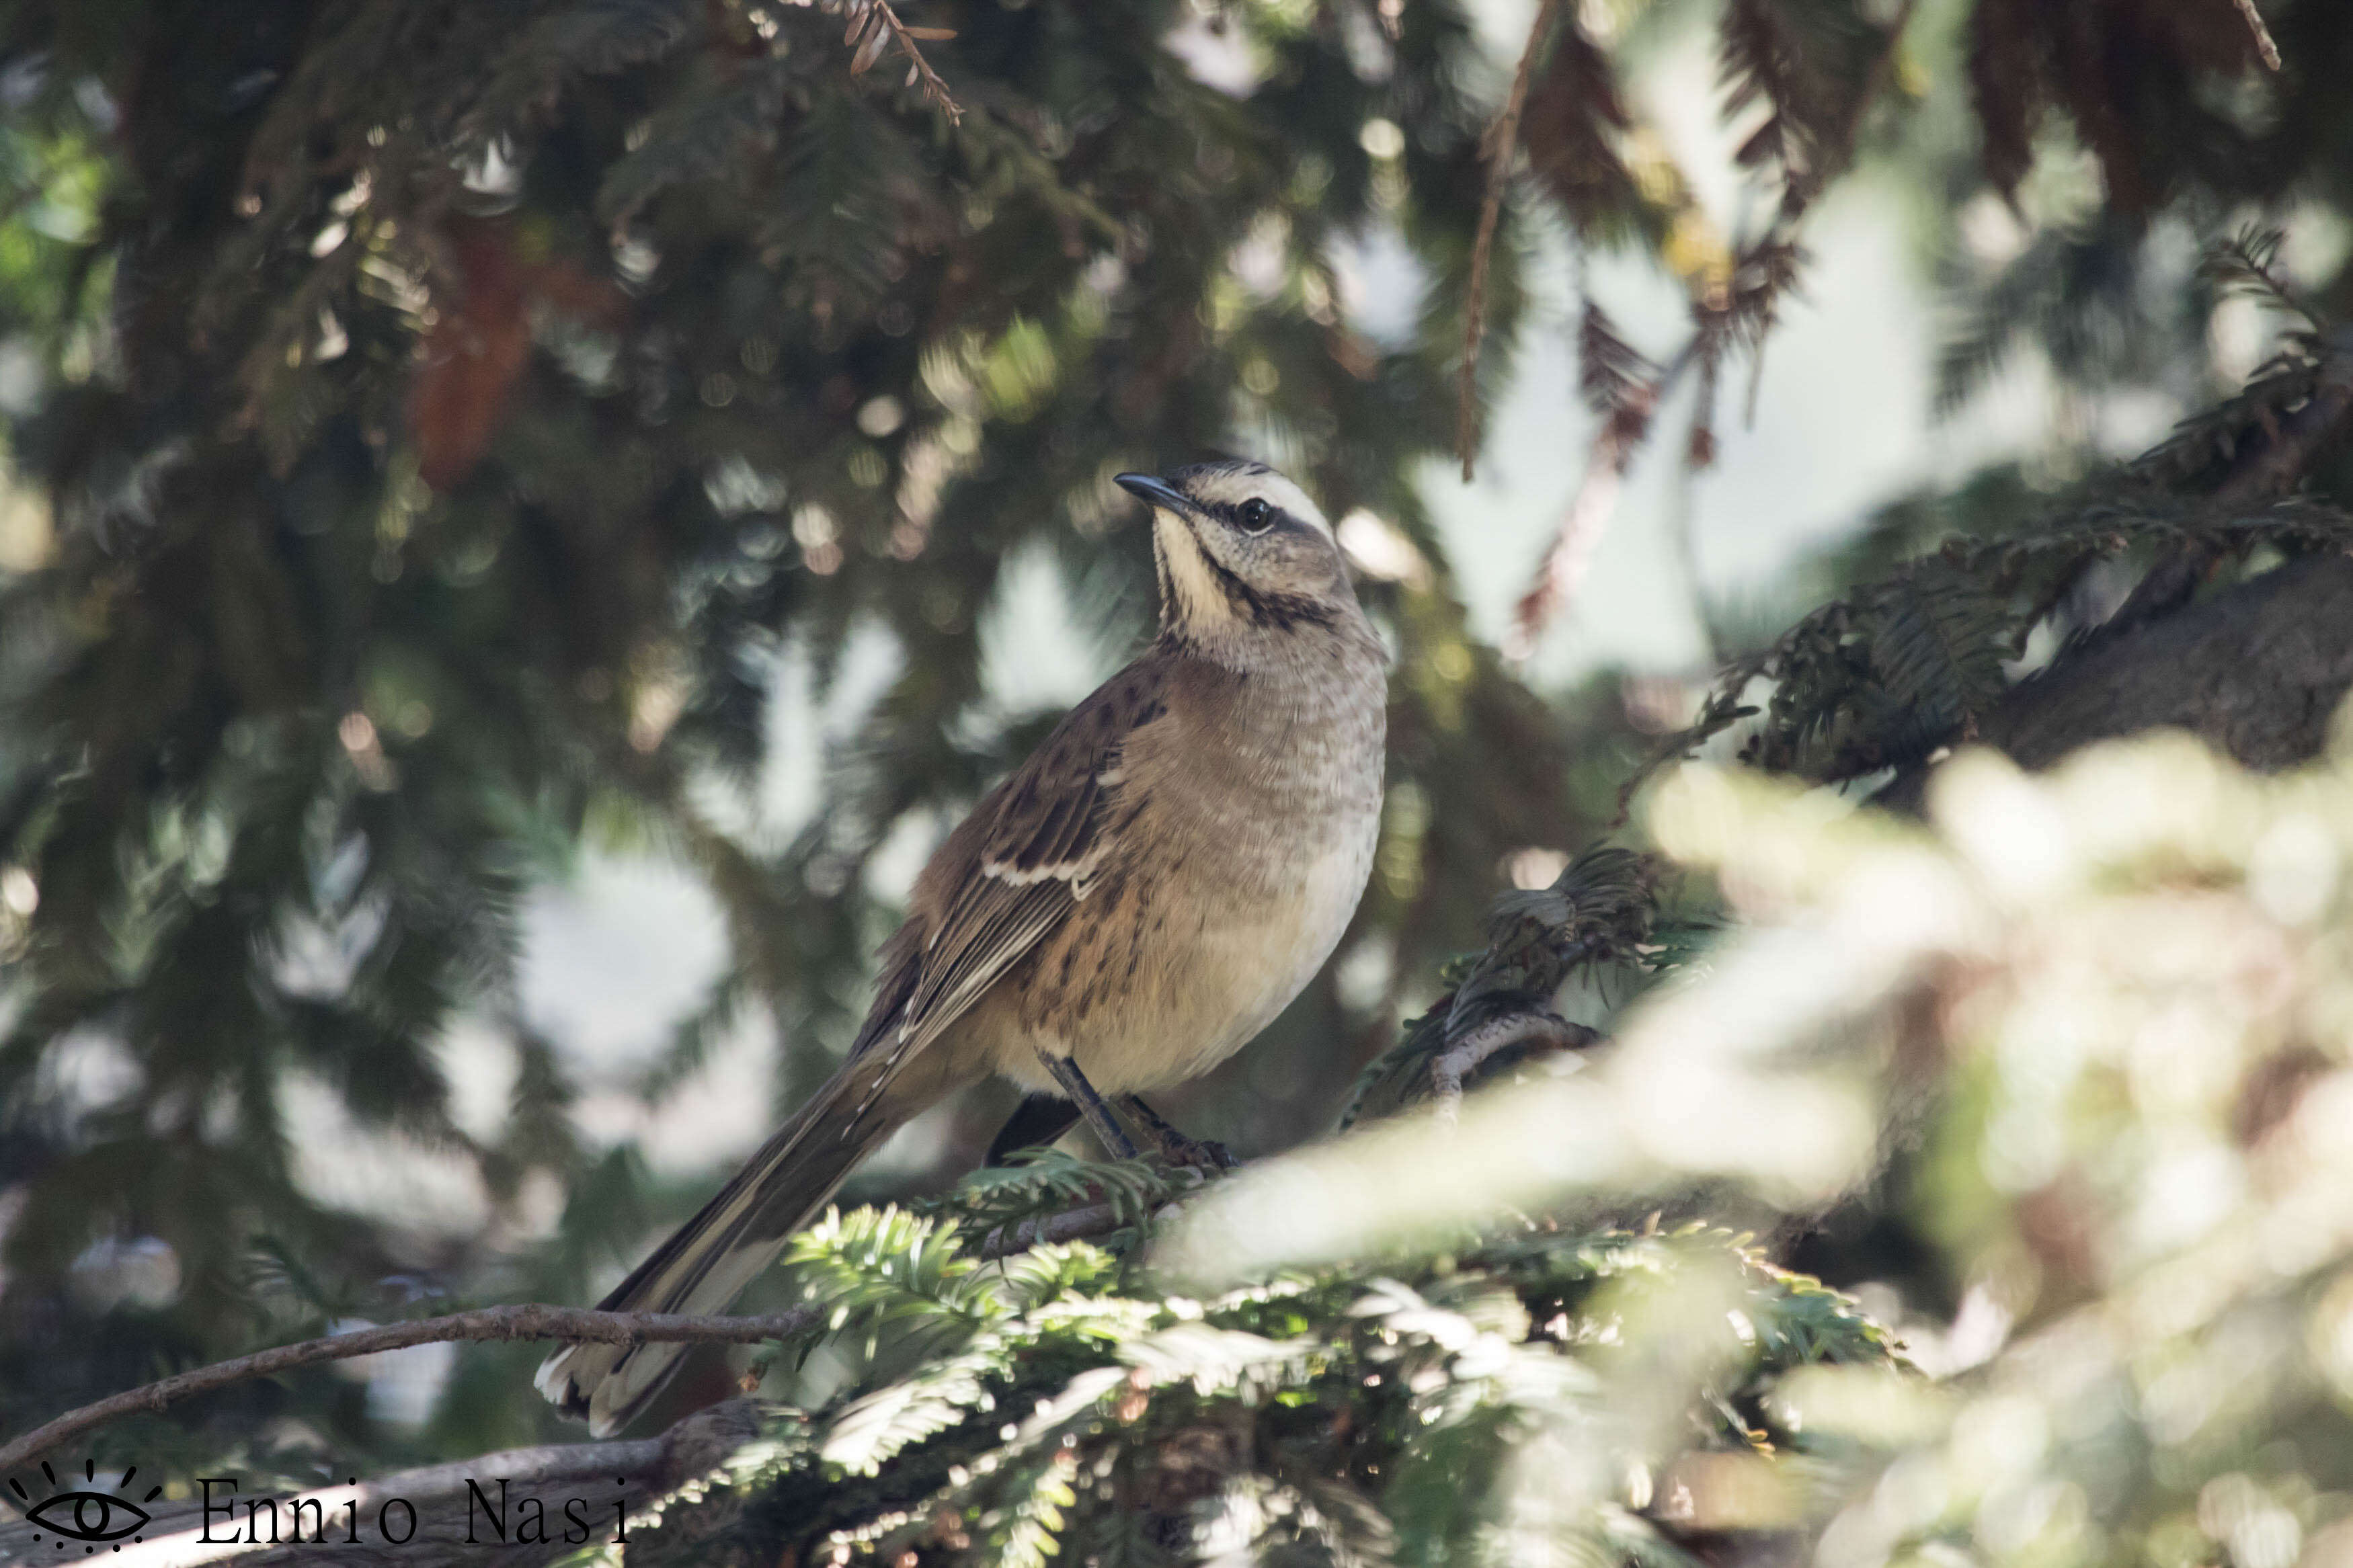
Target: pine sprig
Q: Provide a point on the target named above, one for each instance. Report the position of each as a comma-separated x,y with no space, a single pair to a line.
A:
1597,920
2248,263
1809,64
1024,1533
1041,1181
869,1432
707,135
874,1268
1907,662
1340,1415
2096,64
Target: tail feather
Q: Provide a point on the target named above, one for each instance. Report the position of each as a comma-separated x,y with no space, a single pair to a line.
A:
707,1261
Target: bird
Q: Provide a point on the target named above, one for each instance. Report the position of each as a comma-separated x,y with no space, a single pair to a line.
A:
1124,912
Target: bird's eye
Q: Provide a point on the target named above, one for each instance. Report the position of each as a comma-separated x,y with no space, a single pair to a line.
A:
1257,517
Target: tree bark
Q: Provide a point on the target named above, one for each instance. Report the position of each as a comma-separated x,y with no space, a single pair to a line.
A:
2257,671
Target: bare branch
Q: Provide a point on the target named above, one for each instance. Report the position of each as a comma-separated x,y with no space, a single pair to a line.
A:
2256,672
1045,1230
2265,46
2224,669
1502,140
526,1321
1467,1053
1582,524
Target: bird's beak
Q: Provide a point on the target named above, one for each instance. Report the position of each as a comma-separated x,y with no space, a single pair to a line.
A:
1157,493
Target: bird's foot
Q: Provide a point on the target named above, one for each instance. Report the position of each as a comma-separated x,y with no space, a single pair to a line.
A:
1200,1153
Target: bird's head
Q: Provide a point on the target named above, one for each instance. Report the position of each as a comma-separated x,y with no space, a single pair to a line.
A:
1242,550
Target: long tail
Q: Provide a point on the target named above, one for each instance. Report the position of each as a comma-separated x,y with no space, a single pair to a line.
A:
710,1258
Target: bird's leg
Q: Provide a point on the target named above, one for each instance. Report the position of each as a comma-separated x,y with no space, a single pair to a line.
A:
1074,1083
1173,1145
1038,1120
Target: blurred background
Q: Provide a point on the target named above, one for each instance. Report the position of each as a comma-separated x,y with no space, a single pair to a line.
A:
523,525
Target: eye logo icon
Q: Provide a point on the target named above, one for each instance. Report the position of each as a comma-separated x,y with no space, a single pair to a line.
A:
95,1517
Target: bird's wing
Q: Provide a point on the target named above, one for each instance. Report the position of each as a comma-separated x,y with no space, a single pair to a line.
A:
1038,840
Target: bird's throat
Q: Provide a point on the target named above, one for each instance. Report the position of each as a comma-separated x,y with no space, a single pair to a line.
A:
1192,603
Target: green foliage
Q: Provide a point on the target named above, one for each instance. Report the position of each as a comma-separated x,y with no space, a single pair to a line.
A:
2049,953
445,426
1334,1417
445,421
1044,1180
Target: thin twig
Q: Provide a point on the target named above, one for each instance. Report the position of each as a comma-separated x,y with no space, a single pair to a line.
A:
1466,1055
526,1321
2263,44
1045,1230
1685,531
1500,141
1580,533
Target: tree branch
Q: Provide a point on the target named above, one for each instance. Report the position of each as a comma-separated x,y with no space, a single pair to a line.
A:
1580,532
1502,140
2256,672
1467,1053
523,1322
1045,1230
437,1516
1770,262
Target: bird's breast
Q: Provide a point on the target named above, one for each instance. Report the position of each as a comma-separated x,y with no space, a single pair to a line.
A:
1244,861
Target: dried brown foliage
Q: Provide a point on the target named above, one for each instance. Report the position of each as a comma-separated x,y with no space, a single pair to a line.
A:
2121,71
472,353
1812,64
1573,112
1614,376
874,28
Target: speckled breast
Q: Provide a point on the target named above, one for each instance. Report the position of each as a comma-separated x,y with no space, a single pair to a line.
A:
1231,893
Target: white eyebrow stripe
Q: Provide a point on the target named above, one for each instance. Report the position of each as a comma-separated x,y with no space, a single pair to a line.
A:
1234,487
